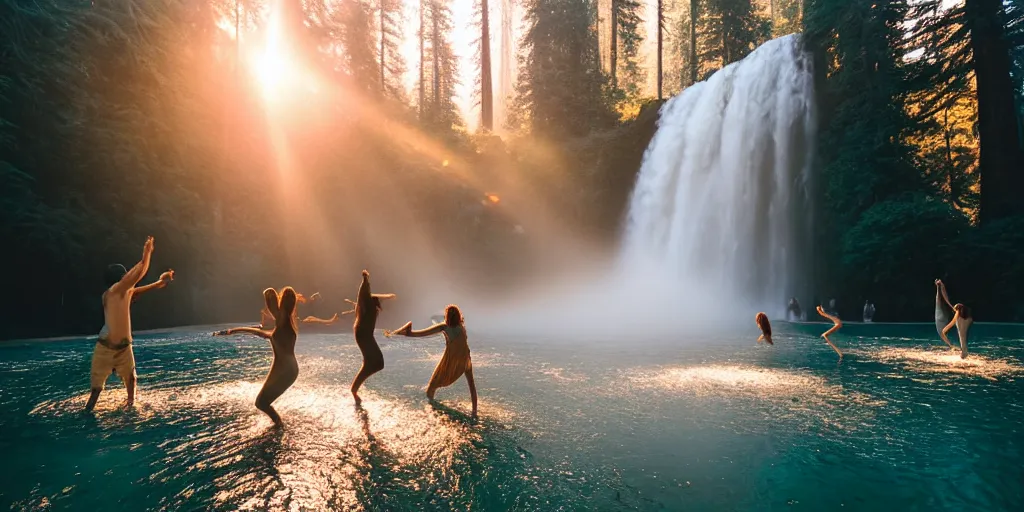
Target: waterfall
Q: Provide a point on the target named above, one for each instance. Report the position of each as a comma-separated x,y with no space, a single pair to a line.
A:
722,199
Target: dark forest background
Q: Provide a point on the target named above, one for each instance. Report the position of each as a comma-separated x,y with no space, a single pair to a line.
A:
124,118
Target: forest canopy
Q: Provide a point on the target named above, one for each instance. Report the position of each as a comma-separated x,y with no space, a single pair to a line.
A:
295,142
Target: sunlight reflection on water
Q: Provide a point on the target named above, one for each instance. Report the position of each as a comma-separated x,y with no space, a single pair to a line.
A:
726,425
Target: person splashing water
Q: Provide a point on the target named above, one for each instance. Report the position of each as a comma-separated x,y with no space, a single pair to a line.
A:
456,360
113,350
285,368
836,325
762,322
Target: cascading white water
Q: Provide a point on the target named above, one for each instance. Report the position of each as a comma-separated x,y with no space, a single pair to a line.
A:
722,199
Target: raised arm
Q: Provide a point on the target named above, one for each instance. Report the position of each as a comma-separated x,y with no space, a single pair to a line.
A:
956,315
133,276
364,295
940,290
246,330
165,278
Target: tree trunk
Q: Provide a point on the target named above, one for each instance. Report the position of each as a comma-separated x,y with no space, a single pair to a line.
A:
693,41
433,47
486,91
238,35
614,46
661,21
382,57
422,3
1000,161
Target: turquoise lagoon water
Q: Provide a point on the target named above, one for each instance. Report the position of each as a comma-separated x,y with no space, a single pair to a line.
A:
639,424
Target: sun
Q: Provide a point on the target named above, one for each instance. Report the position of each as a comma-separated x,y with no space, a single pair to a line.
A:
270,68
270,64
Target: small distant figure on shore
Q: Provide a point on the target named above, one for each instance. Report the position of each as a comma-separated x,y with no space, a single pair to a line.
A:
836,324
832,307
962,319
113,351
762,322
793,310
869,312
285,368
456,360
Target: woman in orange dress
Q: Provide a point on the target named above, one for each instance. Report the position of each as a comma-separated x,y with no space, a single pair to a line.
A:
456,360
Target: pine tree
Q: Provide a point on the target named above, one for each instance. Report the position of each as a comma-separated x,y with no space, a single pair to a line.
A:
559,91
731,29
357,41
441,110
485,85
392,66
627,36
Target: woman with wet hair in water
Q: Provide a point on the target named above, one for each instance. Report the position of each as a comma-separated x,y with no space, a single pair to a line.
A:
285,368
456,361
762,322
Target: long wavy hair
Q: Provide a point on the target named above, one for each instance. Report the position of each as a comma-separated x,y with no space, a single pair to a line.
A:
453,316
282,307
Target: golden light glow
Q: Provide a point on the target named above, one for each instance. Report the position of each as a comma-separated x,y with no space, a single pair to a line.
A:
271,65
493,198
444,163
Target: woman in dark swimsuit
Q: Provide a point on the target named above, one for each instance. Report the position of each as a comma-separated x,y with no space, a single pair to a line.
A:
367,308
285,369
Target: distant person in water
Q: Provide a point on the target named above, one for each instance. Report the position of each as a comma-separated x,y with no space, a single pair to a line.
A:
836,324
456,360
962,318
285,368
943,310
113,351
793,309
367,308
832,307
761,320
869,312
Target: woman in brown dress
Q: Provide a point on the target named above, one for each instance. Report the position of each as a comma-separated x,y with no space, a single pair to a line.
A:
456,360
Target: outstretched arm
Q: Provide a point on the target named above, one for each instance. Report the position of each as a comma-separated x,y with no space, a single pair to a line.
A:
165,278
133,276
383,296
956,315
406,330
247,330
314,320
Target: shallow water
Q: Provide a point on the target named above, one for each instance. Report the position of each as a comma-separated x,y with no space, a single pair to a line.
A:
642,424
